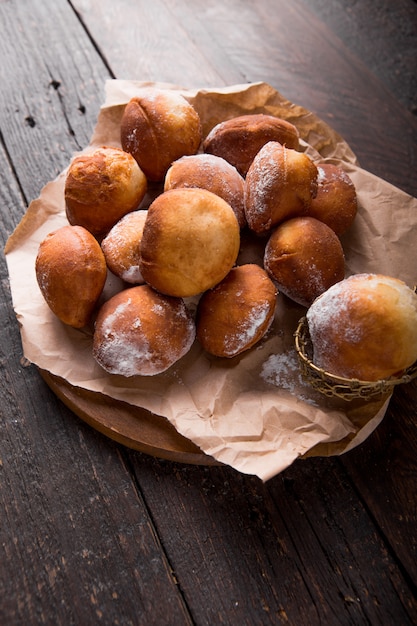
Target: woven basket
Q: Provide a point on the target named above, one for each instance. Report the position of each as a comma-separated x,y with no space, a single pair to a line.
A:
337,386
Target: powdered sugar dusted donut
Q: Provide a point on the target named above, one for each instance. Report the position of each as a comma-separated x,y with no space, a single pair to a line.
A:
213,173
239,139
102,186
157,127
190,241
141,332
336,202
280,184
365,327
233,316
304,257
121,247
71,273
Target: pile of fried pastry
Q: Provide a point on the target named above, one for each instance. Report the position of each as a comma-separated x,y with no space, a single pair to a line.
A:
247,180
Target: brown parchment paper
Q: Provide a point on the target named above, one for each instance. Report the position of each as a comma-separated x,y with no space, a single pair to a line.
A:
253,412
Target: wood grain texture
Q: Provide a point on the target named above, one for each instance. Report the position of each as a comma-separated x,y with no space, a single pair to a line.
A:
52,92
340,89
385,473
383,34
95,533
152,41
132,426
309,514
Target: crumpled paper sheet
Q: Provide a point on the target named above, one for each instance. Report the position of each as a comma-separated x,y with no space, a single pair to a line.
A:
253,412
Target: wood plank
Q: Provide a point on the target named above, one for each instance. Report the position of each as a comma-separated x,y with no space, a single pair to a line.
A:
152,41
392,55
300,549
384,470
51,92
132,426
77,539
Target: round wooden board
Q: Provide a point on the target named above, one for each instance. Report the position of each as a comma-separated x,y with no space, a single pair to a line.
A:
132,426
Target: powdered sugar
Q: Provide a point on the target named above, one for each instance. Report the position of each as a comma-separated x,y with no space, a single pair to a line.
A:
121,247
321,175
158,309
263,179
330,313
117,353
142,335
282,370
332,309
122,356
132,275
252,326
113,317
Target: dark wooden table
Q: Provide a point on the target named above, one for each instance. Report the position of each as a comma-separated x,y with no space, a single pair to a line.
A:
92,532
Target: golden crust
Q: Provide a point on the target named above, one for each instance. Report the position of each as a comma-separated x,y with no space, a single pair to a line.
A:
102,186
142,332
365,327
235,315
71,272
336,202
121,247
190,241
239,139
304,257
207,171
280,184
157,128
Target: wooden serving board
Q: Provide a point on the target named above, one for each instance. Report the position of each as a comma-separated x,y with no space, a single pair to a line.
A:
132,426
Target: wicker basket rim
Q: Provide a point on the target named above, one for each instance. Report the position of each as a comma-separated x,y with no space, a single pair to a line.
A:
302,337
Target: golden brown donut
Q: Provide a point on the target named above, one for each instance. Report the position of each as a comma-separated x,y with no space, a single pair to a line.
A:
102,186
121,247
210,172
280,184
157,128
234,315
304,257
71,272
365,327
239,139
190,241
142,332
336,202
